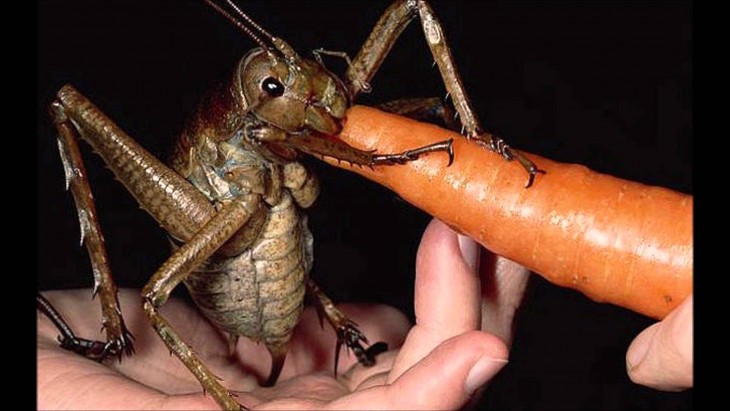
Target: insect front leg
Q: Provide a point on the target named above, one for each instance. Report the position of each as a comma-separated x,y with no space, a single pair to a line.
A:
337,149
387,30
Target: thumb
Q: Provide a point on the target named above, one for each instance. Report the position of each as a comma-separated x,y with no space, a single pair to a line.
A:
445,379
661,356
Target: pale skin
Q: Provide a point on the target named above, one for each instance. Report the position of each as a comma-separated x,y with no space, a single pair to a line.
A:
661,356
455,348
440,362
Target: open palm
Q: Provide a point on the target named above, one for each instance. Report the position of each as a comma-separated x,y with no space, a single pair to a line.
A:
437,363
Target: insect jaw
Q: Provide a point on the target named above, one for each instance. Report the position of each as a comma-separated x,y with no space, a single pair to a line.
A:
319,118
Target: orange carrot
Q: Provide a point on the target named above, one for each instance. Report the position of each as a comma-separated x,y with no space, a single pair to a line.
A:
614,240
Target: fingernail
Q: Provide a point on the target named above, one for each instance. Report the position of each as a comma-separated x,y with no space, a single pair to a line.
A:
484,370
639,348
469,251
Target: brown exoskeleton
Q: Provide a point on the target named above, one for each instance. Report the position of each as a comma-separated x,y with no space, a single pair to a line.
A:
232,196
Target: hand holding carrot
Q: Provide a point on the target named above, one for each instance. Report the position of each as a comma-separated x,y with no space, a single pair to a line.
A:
614,240
661,356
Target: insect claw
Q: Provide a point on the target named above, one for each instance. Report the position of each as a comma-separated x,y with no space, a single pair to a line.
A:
530,180
533,171
450,151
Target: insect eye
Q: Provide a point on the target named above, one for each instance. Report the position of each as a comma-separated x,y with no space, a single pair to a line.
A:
272,87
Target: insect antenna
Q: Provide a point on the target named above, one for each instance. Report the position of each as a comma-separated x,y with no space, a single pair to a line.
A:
245,28
250,21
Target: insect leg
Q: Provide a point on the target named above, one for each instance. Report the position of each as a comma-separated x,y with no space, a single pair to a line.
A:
119,338
337,149
381,40
178,267
170,199
362,86
182,210
346,329
94,350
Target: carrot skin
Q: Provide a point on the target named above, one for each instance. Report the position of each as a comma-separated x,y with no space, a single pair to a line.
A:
614,240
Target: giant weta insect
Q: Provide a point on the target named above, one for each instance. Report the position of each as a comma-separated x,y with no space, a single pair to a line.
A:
232,195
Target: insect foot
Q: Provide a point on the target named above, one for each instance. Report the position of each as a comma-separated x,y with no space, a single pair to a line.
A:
499,146
349,335
98,351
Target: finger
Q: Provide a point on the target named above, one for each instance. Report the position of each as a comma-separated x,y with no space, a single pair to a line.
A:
447,296
503,286
444,379
661,356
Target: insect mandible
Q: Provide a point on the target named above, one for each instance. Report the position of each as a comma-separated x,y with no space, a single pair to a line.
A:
236,181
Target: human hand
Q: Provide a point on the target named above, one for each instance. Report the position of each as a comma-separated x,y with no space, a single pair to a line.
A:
661,356
442,362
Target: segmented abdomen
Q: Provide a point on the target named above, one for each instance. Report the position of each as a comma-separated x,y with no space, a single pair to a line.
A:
260,292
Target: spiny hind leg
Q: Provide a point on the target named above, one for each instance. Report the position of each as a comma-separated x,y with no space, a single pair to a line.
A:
346,330
119,339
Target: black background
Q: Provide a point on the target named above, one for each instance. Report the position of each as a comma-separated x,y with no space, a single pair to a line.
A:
604,84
